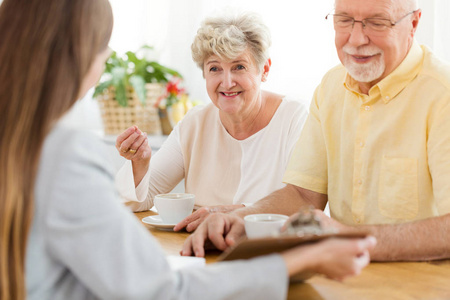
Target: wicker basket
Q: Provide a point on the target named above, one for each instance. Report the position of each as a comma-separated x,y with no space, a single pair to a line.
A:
117,118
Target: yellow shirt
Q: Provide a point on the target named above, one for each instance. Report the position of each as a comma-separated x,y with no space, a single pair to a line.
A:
382,157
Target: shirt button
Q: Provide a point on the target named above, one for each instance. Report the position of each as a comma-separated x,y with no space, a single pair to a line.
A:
360,181
387,97
358,220
361,144
367,108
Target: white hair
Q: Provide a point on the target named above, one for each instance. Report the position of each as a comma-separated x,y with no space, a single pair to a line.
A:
413,4
403,5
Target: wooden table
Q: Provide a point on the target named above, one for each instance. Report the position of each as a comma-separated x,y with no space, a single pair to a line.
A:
378,281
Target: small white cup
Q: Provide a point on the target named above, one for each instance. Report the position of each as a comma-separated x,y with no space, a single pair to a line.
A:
263,225
172,208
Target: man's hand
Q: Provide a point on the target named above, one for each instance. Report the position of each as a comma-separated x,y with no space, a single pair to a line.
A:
221,230
192,221
325,221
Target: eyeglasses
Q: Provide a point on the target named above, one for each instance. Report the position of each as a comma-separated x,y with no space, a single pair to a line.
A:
372,26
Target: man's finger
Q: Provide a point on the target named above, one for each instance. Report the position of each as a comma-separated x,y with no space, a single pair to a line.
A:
193,225
236,232
288,221
217,230
198,241
186,250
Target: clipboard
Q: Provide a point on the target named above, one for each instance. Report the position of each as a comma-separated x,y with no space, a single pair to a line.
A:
248,248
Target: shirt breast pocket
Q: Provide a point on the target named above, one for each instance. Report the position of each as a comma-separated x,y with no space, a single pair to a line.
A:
398,196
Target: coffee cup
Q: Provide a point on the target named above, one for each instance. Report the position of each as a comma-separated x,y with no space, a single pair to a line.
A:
263,225
172,208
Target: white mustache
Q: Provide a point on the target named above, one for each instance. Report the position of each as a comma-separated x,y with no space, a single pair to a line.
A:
366,51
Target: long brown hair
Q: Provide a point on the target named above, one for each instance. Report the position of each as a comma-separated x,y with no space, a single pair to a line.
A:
46,49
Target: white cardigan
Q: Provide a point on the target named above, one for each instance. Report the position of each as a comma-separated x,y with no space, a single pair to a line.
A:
217,168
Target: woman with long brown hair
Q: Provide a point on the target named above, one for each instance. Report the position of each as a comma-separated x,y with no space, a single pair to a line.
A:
47,48
63,232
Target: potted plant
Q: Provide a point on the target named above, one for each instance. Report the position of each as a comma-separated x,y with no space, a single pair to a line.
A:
174,105
130,91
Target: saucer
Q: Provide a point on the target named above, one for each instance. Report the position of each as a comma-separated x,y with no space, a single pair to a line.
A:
156,222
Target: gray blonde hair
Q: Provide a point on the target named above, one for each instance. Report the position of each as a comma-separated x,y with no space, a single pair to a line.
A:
230,34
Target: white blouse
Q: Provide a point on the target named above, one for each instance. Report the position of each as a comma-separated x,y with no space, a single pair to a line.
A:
218,169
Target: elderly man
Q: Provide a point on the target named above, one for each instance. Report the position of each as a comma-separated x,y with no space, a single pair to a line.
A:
376,145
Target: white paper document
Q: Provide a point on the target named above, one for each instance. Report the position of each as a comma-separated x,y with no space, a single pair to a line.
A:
179,262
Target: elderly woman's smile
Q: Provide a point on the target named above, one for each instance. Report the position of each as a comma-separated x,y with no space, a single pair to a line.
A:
232,94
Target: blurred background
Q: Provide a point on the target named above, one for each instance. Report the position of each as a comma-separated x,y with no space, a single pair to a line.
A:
302,41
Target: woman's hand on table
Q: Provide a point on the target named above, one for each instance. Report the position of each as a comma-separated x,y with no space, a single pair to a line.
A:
192,221
222,230
336,258
132,144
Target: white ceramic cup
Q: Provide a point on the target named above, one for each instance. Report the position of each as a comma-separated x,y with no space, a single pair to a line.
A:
263,225
172,208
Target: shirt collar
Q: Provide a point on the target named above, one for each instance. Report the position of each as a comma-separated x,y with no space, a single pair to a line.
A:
395,82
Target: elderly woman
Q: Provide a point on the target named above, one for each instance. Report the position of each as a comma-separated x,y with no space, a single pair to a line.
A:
232,151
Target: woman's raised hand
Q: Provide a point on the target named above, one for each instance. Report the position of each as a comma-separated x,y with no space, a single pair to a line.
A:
132,144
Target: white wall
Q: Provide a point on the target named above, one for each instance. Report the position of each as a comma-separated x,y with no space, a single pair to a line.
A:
302,40
434,27
303,43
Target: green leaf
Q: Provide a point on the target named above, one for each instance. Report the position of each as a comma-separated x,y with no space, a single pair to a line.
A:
132,57
163,69
147,47
160,76
118,74
138,83
140,68
121,93
101,87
